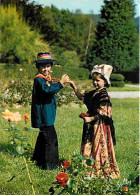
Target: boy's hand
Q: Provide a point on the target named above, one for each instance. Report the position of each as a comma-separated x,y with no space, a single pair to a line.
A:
64,79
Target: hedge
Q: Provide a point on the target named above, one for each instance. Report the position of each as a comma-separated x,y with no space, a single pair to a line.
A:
74,73
131,76
117,83
117,77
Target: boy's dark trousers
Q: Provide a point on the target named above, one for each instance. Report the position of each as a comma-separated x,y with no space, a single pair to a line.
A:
46,149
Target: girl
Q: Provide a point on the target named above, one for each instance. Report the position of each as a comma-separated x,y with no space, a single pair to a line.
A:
98,130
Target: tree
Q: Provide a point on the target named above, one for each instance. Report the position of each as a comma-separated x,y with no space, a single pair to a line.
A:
116,38
18,43
70,31
30,10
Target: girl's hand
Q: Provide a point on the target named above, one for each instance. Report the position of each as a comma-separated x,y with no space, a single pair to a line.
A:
88,119
72,84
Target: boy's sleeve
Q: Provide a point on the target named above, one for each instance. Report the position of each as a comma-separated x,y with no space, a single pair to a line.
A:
42,87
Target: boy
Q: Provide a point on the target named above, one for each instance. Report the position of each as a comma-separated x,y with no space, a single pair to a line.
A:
43,112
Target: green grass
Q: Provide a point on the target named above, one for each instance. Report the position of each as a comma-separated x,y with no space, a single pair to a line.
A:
69,131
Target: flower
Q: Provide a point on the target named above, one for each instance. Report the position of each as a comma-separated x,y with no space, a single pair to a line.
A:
126,189
7,115
10,116
16,117
62,178
26,117
21,69
82,115
65,164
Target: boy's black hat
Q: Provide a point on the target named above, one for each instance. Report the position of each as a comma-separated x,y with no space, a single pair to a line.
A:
43,58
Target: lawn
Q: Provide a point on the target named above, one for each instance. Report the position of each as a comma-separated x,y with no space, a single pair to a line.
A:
13,174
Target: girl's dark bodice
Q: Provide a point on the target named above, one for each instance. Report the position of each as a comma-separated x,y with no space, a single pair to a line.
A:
93,100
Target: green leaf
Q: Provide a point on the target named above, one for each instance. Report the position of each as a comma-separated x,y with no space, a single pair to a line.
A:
70,183
75,172
89,162
82,158
20,149
29,129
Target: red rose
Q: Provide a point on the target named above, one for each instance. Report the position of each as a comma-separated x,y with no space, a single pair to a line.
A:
126,189
66,164
26,117
62,178
82,115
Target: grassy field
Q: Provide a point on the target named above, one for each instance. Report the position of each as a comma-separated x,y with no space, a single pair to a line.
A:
13,175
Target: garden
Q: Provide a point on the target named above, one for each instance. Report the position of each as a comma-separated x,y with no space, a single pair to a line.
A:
19,175
28,28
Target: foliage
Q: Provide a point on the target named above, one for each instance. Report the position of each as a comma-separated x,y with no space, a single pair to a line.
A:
18,42
117,80
69,59
66,30
74,73
137,19
117,83
117,77
116,38
67,96
31,11
16,138
18,91
19,142
76,180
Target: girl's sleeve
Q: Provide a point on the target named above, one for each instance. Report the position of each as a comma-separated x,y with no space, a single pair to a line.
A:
43,88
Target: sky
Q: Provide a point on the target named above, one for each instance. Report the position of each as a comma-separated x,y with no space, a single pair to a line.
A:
86,6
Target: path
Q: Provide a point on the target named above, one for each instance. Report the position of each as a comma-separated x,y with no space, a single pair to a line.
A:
124,94
132,85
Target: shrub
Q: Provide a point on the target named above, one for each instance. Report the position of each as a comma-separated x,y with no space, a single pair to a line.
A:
117,80
67,96
117,83
69,59
14,71
18,91
117,77
74,178
18,42
74,73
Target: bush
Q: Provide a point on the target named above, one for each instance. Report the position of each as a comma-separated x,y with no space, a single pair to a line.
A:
18,42
14,71
18,91
117,83
117,80
74,73
74,178
69,59
117,77
67,96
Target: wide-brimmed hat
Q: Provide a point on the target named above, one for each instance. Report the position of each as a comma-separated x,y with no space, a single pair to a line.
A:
104,69
43,58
